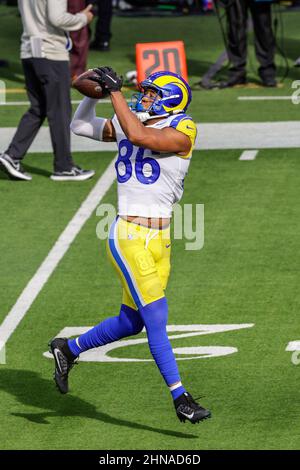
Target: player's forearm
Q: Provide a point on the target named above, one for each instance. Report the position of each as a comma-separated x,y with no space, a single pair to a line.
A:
85,122
132,127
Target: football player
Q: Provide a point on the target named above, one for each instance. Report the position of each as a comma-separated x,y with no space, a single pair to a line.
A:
155,140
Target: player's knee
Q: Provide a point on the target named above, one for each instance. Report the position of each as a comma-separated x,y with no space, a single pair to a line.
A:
136,324
131,320
137,328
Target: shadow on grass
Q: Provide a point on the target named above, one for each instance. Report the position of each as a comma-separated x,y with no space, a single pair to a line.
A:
29,169
290,47
3,176
32,390
200,67
37,171
14,72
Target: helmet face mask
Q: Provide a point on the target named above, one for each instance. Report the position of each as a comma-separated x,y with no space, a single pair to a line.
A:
173,95
145,101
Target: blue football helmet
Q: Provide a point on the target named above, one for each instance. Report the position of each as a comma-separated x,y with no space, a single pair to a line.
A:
173,94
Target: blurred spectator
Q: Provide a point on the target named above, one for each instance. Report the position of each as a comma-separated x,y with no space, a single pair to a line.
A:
45,60
237,15
103,26
80,41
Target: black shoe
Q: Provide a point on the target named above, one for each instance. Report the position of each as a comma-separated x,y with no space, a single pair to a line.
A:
64,361
269,82
75,174
187,408
13,168
233,81
100,46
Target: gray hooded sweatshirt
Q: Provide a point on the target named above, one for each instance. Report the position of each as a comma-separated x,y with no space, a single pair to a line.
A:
45,28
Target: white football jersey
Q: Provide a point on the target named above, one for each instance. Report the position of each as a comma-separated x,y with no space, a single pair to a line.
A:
149,182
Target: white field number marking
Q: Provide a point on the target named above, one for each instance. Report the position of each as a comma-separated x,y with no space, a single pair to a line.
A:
294,347
186,331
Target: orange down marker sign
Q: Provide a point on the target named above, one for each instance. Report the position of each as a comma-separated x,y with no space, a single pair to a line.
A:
155,56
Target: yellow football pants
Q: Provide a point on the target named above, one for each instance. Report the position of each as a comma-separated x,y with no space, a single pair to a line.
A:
141,257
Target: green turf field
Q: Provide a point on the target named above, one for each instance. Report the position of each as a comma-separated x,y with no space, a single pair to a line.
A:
247,273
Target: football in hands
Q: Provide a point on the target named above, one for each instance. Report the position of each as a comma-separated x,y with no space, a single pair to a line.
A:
88,87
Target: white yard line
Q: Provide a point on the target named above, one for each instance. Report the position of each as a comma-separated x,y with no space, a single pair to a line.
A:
61,246
249,155
265,98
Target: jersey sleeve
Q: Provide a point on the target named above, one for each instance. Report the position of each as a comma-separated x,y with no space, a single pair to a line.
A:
116,124
187,126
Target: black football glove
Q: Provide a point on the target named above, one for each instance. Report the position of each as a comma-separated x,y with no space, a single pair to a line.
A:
108,79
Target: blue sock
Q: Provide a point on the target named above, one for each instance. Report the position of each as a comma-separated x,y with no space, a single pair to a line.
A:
73,346
155,317
127,323
177,392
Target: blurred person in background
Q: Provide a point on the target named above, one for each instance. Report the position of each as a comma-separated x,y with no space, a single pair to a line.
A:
80,41
237,16
45,48
103,26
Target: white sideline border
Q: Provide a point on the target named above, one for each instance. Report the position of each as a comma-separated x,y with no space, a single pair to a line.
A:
55,255
211,136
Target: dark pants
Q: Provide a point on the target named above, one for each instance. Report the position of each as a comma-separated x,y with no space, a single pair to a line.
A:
237,15
102,30
48,89
80,40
